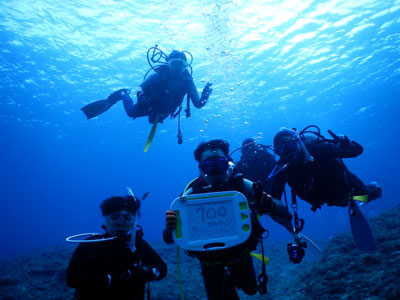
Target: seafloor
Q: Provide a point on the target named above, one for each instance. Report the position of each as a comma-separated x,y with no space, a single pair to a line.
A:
342,273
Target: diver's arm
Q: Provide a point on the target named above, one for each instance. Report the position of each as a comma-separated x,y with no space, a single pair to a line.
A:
266,205
354,149
280,214
341,149
194,95
81,274
278,185
151,259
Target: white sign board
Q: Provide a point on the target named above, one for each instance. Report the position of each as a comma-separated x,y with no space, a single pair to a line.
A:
211,221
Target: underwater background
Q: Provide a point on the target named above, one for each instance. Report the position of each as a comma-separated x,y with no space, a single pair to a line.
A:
335,64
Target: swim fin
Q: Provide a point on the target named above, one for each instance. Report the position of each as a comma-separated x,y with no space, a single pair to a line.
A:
260,257
151,135
97,108
362,233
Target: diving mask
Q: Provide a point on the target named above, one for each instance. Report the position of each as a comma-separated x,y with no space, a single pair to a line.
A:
287,147
214,165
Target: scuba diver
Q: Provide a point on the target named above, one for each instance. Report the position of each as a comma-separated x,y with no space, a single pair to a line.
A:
225,269
256,163
313,167
161,94
119,263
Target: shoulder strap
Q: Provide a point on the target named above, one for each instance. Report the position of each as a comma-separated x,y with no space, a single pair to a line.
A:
194,184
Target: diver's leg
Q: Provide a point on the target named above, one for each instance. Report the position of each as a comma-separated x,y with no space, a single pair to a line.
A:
244,275
134,110
373,190
228,287
213,276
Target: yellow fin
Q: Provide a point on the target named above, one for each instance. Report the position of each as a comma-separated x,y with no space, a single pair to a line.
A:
362,198
151,135
260,258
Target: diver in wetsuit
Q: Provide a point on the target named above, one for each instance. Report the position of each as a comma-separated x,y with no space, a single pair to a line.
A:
114,268
256,163
216,175
159,95
314,169
162,93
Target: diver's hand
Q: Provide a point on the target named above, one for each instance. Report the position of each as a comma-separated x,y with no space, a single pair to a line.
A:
142,273
342,140
206,93
121,280
117,95
171,220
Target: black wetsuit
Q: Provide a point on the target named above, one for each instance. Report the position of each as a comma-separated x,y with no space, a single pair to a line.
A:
164,94
237,259
92,262
257,166
324,180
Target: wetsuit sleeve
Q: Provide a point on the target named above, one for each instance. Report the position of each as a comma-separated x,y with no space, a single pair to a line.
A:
334,150
82,273
151,259
273,207
278,186
280,214
194,95
353,150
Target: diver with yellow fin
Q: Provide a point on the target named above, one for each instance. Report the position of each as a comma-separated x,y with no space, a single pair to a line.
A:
313,167
210,201
161,94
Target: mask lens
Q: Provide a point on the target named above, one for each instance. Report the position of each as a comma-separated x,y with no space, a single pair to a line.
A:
177,63
291,145
249,149
116,216
286,147
215,165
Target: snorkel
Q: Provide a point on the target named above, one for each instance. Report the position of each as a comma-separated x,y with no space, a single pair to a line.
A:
132,233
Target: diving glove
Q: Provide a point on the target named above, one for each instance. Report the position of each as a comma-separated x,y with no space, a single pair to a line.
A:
171,220
206,93
143,273
342,140
135,274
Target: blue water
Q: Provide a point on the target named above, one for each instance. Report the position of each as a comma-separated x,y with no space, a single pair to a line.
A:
335,64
